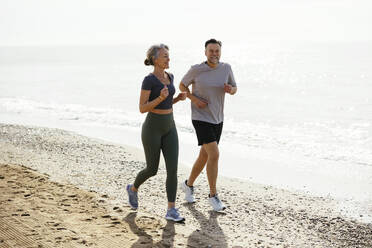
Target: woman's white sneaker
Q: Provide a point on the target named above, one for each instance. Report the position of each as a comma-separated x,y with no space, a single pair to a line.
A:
189,192
216,203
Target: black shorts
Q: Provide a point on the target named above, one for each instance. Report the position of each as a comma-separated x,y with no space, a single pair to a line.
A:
207,132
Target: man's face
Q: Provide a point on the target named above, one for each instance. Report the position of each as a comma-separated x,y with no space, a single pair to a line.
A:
213,53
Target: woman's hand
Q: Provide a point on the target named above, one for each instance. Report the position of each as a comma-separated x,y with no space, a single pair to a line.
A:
164,92
182,96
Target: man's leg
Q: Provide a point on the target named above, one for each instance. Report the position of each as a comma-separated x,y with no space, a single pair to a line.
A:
212,165
198,166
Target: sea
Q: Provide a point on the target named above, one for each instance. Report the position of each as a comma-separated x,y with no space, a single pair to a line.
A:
301,119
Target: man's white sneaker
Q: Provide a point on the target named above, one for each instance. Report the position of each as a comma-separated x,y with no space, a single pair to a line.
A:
189,192
216,203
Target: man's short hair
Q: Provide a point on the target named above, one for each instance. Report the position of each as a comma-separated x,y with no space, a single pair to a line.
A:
213,41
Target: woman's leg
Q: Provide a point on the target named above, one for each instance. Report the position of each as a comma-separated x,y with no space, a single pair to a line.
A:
151,141
170,152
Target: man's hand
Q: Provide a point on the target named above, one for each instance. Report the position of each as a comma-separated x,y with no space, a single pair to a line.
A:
200,103
227,88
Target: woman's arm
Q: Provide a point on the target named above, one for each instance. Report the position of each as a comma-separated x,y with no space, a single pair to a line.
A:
145,105
181,96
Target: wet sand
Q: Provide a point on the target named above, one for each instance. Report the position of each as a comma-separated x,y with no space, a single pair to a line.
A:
61,189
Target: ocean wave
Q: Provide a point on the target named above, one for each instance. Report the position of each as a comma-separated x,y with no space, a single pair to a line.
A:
326,140
72,112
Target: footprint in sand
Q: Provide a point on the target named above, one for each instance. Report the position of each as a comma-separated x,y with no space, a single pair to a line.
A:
117,209
83,242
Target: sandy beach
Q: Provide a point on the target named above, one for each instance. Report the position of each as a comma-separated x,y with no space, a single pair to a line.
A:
61,189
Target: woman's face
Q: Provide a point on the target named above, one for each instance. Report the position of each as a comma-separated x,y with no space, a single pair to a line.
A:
162,60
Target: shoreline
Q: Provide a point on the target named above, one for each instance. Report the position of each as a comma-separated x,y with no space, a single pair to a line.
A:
263,168
284,170
257,215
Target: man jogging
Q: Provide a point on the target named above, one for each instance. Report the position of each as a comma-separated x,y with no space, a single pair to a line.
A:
210,81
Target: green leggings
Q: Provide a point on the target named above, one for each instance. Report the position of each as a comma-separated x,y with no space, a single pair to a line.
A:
159,133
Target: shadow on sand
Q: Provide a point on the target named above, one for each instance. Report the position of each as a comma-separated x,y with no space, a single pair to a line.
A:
210,233
146,240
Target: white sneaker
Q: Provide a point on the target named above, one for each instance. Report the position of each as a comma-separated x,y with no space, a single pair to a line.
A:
216,203
189,192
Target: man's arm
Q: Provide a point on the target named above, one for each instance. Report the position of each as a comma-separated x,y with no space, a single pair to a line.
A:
230,89
233,90
197,101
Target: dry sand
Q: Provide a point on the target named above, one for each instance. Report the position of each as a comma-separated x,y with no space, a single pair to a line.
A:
60,189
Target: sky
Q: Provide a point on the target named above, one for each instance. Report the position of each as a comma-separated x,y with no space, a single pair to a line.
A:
71,22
